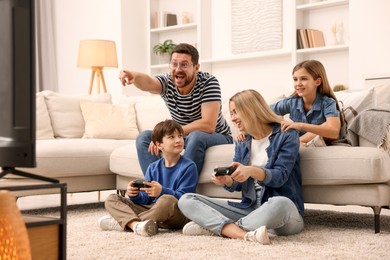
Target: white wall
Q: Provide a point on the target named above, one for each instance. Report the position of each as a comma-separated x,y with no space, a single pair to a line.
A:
77,20
369,40
124,22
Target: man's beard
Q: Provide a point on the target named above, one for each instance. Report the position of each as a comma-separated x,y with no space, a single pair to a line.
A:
186,81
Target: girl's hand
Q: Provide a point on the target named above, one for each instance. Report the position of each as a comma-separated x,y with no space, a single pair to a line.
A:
290,125
240,137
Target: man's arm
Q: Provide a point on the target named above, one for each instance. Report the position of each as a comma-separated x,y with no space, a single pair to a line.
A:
208,122
142,81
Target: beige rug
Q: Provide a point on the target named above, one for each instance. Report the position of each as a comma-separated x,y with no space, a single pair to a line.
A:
327,235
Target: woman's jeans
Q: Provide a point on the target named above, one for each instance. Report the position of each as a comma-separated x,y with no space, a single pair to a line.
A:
195,145
278,214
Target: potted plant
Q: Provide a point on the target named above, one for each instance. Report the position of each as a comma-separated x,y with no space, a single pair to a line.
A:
164,50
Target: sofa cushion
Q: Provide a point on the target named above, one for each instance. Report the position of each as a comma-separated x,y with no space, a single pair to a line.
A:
109,121
150,110
43,123
340,165
65,112
74,157
124,161
355,100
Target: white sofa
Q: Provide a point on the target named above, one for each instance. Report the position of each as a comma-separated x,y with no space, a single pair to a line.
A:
92,147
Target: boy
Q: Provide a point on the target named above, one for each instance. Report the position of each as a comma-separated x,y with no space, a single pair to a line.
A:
155,205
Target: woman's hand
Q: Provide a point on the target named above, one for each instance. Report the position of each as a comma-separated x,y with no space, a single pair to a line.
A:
241,174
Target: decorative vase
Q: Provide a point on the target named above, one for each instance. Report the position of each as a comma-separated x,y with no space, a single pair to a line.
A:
164,58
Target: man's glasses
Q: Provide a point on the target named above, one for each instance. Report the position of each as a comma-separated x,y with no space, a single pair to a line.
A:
183,66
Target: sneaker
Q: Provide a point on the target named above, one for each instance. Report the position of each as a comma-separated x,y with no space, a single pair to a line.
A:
260,235
146,228
109,223
193,229
317,141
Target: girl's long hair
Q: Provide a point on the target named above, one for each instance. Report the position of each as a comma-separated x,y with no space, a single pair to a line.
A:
317,70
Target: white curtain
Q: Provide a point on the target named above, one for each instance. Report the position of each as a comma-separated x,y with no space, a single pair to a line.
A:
46,66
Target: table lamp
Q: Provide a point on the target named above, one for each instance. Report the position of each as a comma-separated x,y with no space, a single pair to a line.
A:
97,54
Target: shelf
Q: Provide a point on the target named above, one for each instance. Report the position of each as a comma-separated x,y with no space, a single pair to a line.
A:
174,28
250,56
322,4
325,49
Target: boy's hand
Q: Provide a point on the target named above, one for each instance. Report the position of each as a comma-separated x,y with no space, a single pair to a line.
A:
154,190
132,191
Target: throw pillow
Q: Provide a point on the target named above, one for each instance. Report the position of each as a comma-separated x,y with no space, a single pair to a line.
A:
108,121
65,113
43,124
355,101
150,110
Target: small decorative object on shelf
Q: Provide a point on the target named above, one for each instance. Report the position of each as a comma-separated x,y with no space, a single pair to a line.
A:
185,17
164,49
338,31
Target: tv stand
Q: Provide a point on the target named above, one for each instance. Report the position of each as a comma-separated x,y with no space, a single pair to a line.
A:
12,170
47,234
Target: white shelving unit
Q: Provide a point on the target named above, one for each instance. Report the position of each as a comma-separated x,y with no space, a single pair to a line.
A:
322,15
195,32
303,14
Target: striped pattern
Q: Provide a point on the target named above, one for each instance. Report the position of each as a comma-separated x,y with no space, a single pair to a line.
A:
256,25
185,109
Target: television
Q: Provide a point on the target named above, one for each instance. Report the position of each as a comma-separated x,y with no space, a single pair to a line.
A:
17,85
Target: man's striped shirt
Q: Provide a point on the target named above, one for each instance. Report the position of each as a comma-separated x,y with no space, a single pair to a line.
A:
185,109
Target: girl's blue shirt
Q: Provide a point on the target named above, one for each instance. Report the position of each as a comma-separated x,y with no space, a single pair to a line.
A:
322,108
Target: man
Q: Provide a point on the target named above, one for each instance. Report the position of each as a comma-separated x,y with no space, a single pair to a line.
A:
193,98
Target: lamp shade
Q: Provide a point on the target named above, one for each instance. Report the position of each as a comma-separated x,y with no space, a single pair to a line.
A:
14,240
97,53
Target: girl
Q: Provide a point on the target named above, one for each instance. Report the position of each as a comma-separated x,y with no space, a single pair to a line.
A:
312,107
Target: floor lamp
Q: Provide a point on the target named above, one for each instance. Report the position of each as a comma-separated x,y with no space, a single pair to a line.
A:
97,54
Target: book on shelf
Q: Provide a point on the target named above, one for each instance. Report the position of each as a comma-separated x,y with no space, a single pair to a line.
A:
170,19
310,38
317,38
163,19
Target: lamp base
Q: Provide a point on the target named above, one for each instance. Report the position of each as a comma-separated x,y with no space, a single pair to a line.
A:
98,72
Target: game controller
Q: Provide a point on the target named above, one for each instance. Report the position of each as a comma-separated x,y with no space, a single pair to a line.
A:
140,184
224,170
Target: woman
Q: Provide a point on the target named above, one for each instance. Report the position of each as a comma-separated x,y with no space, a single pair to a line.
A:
267,175
313,107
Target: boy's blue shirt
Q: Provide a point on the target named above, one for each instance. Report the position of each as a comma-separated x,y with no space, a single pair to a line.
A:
177,180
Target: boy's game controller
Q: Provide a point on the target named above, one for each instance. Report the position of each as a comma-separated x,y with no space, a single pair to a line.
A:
224,170
140,184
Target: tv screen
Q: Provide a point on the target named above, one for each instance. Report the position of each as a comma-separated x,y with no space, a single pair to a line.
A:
17,84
